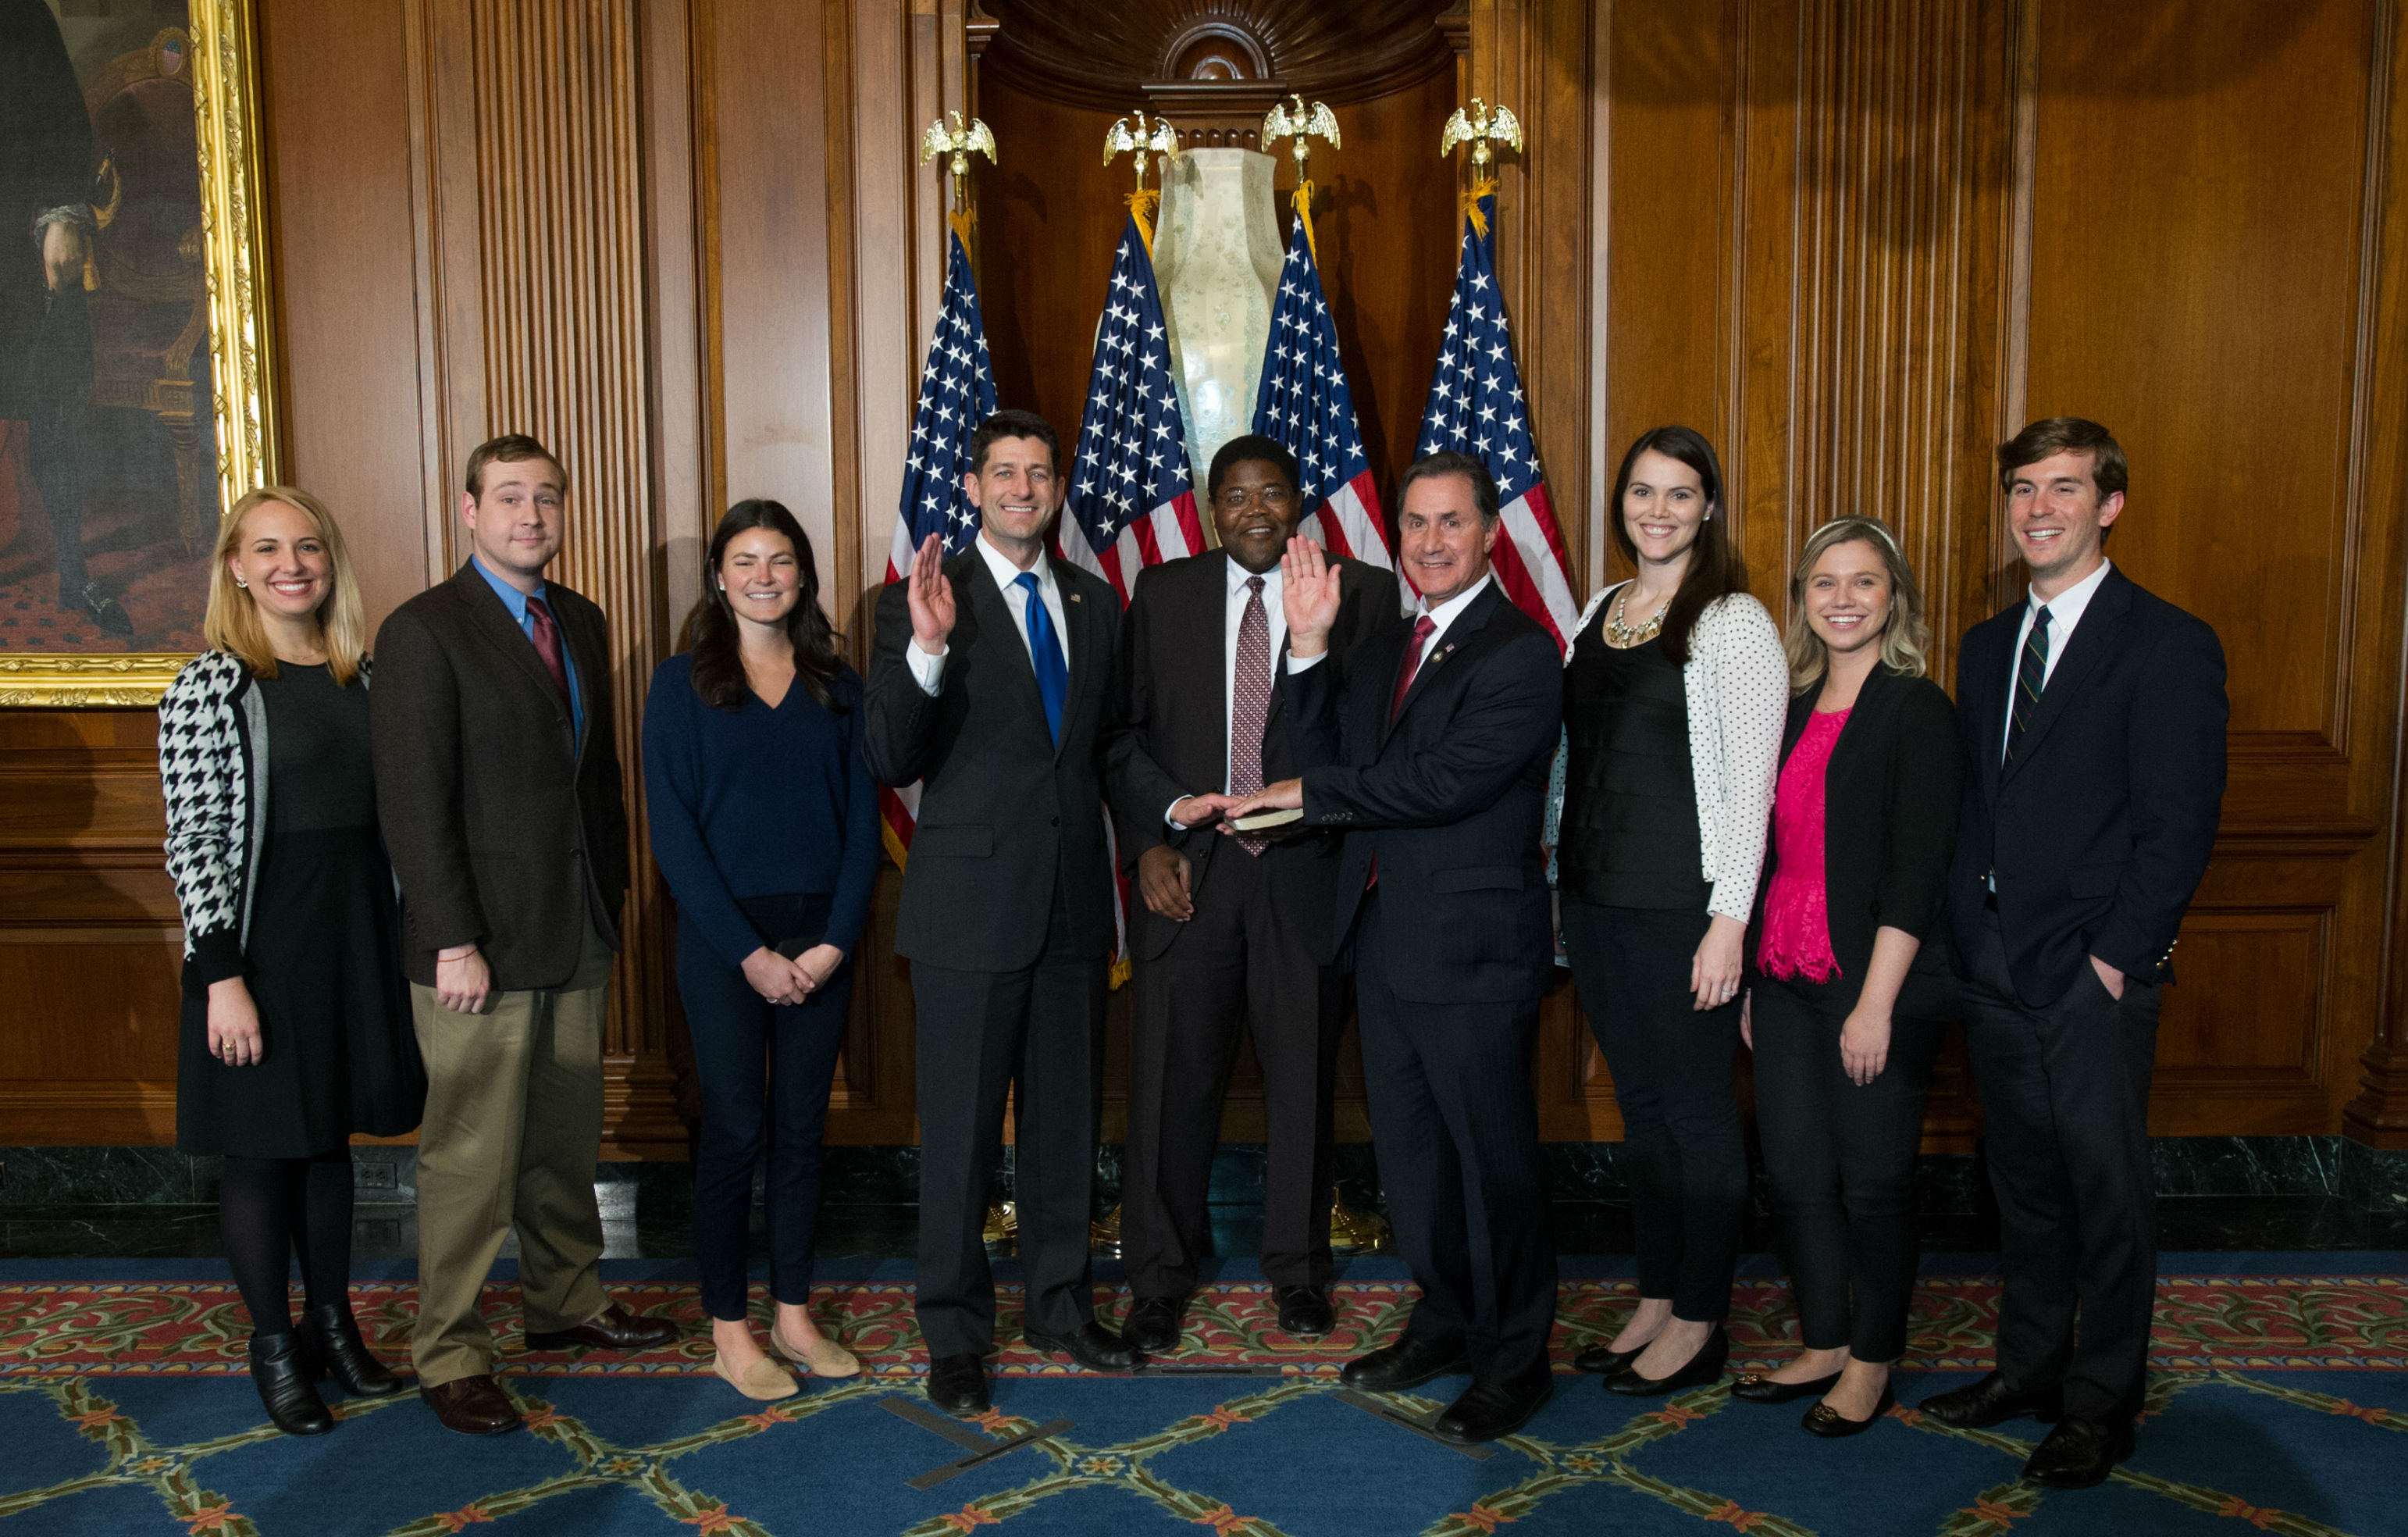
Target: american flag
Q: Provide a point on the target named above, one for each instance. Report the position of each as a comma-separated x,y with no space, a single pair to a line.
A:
1131,503
1304,404
1476,408
956,393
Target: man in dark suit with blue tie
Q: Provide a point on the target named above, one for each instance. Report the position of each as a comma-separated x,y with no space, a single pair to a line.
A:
2093,715
990,684
1430,753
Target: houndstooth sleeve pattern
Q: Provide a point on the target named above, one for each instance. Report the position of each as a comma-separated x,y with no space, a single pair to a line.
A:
1738,679
203,776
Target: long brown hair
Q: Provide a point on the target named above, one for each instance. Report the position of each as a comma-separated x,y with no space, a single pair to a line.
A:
1716,569
1905,637
711,630
231,623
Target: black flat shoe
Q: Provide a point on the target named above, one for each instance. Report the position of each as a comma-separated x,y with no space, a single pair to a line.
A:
1605,1360
1704,1367
1305,1312
283,1372
1152,1325
1490,1411
1977,1406
957,1384
1408,1363
332,1335
1825,1421
1757,1389
1093,1347
2079,1453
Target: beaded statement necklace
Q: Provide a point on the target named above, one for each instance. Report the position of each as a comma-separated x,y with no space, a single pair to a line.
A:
1623,635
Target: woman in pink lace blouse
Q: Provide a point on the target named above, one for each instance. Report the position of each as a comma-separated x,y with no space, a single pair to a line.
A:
1848,975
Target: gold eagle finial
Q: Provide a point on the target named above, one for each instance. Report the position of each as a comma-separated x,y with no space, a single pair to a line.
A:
959,141
1478,129
1161,139
1279,122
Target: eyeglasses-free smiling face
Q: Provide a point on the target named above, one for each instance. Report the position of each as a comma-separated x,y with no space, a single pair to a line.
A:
2060,519
1663,506
1254,512
284,560
1848,596
1016,491
1442,541
760,575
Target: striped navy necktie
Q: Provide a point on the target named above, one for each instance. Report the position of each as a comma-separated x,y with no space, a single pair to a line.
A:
2031,676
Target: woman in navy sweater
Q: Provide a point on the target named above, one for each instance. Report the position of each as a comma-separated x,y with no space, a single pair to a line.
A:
764,821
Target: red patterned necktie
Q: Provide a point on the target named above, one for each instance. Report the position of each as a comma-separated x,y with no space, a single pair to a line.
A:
1250,704
1423,628
547,643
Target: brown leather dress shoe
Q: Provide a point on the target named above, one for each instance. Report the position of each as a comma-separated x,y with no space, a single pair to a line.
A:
614,1328
474,1406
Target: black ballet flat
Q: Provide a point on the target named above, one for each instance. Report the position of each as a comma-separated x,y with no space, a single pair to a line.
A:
1606,1360
285,1377
1702,1369
332,1335
1757,1390
1825,1421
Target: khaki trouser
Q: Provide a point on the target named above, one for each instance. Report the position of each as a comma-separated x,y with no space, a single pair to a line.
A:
514,1127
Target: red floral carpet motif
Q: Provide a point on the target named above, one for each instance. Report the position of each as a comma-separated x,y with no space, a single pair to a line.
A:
2204,1323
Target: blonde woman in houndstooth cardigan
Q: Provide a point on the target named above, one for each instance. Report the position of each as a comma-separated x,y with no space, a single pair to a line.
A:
296,1029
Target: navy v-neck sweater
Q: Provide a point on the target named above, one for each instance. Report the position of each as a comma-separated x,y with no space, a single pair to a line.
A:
760,803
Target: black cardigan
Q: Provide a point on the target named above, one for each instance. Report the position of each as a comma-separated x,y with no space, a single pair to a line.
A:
1890,808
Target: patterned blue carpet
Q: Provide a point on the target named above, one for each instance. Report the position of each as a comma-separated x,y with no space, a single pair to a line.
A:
2224,1449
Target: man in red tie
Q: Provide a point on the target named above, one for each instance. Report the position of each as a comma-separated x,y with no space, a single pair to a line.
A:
1430,752
498,788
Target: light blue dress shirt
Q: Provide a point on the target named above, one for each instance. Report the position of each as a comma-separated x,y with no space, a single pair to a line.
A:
516,602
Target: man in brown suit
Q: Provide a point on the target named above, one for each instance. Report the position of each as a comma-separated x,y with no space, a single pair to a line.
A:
498,788
1233,931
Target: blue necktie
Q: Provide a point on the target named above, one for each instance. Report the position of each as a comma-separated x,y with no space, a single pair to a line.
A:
1045,652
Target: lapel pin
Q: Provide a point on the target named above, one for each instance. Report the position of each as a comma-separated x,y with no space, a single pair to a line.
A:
1074,598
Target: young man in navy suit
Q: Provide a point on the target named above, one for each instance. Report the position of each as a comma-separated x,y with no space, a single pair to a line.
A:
1430,753
2093,713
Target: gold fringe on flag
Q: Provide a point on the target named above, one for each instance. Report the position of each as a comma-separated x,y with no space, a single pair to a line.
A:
1485,187
1303,201
1142,205
963,220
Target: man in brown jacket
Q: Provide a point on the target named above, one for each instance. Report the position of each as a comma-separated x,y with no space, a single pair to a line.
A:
498,788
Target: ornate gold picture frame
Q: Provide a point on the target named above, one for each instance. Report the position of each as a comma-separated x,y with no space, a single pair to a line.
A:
179,313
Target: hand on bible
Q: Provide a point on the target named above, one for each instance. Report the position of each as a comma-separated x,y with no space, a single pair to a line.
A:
1286,795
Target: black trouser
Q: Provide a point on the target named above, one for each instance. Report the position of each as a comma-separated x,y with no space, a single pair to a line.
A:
763,1070
980,1033
1456,1130
2065,1107
1840,1159
1671,1066
1235,965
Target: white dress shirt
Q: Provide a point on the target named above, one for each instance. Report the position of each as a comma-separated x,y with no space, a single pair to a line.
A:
929,671
2065,612
1440,618
1233,616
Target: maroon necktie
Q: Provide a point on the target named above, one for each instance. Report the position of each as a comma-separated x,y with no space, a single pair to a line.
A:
1250,704
1423,628
547,643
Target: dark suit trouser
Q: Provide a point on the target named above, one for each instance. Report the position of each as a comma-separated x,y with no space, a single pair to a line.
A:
1235,964
2065,1100
1840,1157
1455,1129
978,1033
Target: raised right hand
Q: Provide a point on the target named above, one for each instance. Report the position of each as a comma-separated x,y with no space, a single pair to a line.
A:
234,1024
1162,876
932,597
1309,595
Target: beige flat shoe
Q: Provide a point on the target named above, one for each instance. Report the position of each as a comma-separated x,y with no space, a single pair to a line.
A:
762,1380
826,1358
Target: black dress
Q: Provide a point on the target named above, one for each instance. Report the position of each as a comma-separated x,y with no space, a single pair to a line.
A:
1628,837
323,962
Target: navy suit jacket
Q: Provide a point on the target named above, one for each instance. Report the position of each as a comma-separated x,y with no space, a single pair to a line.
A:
2100,828
1448,797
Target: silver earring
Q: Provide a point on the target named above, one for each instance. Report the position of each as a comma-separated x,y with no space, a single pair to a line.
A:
240,583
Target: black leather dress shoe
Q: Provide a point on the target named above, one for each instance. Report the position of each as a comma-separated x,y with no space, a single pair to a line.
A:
1408,1363
614,1328
1825,1421
1977,1406
1153,1325
1704,1367
1305,1312
1094,1346
1488,1410
957,1384
286,1378
333,1336
1605,1359
2079,1453
1757,1389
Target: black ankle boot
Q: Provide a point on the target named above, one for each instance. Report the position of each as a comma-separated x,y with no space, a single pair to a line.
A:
330,1335
281,1370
